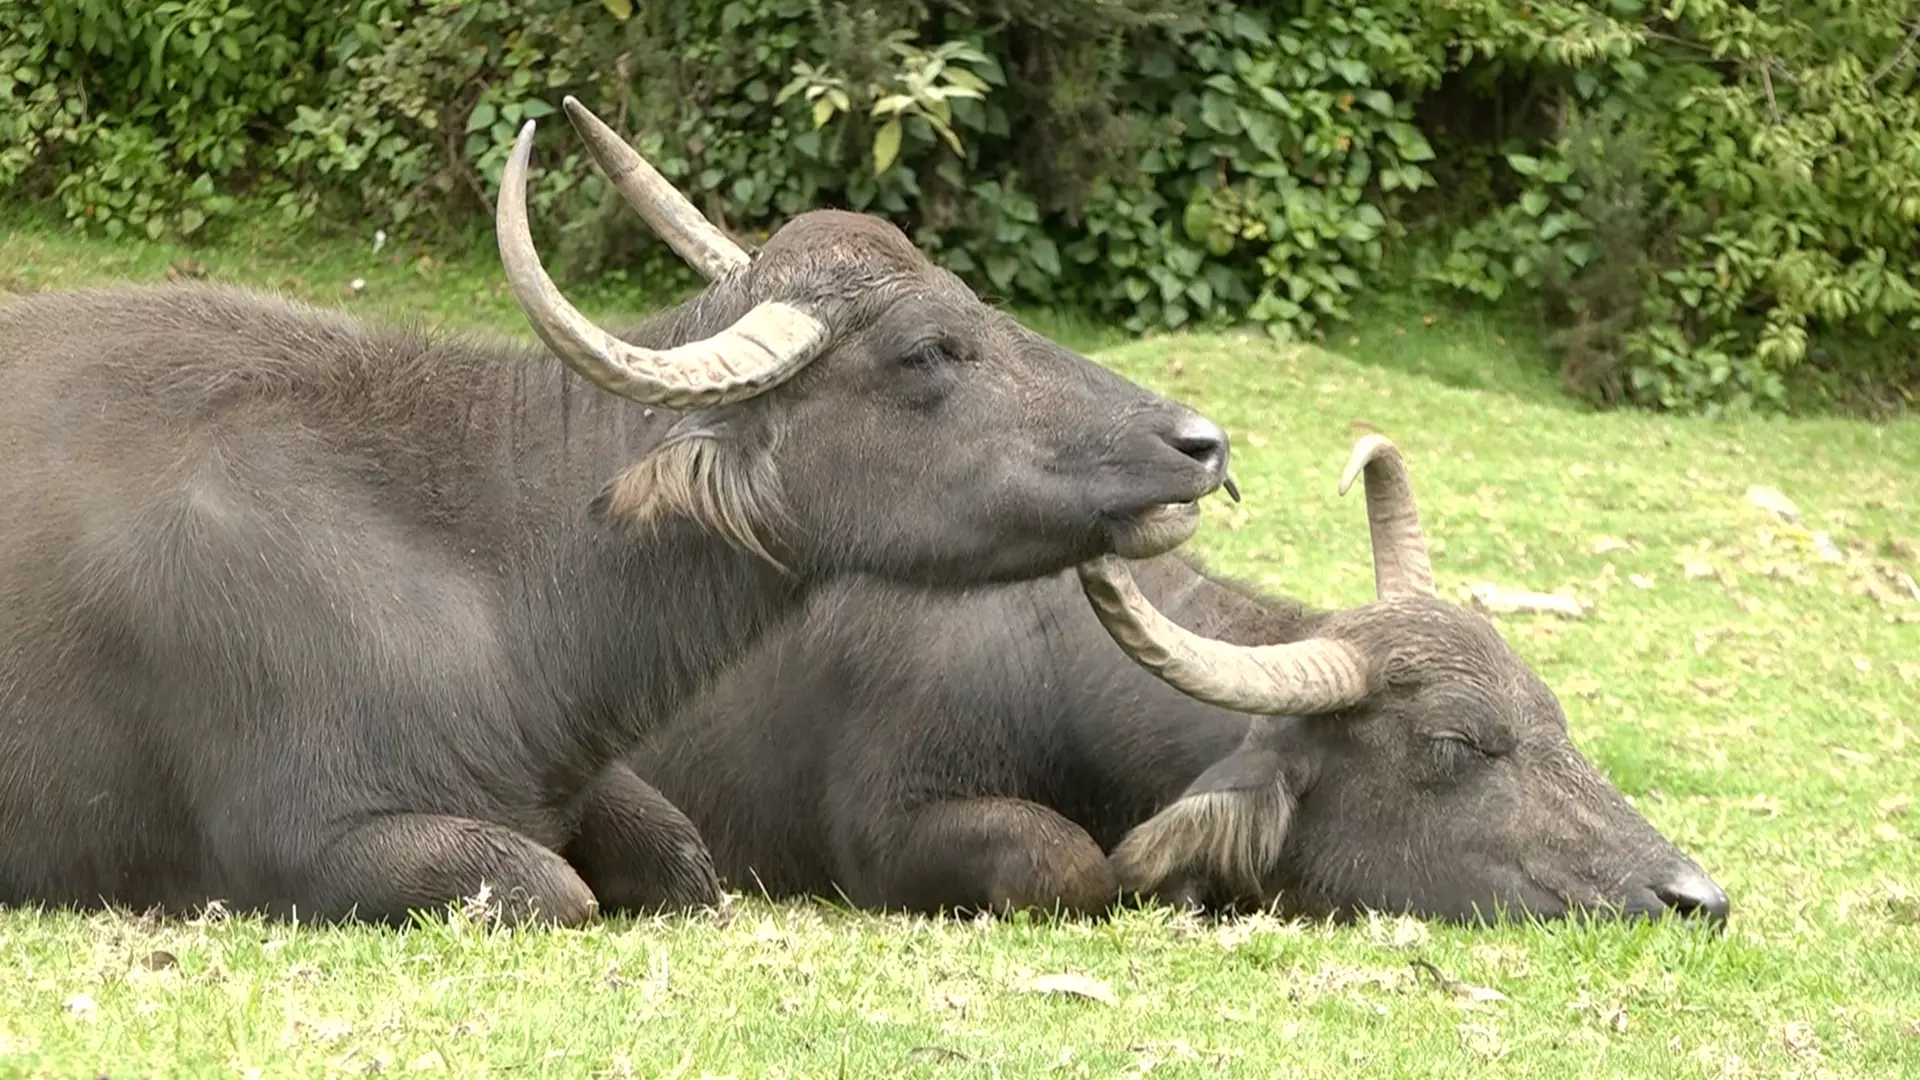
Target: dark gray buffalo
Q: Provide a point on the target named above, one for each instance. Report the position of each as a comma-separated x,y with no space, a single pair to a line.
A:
994,750
322,619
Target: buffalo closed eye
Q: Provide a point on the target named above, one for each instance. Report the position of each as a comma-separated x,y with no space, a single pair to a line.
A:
926,357
1456,749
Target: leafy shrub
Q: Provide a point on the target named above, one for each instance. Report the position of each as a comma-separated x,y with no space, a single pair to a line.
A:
149,113
1732,184
1717,202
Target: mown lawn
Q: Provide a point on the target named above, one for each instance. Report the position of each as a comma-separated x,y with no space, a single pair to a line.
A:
1752,682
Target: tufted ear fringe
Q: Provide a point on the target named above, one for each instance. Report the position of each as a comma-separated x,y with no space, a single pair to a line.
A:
1216,842
729,489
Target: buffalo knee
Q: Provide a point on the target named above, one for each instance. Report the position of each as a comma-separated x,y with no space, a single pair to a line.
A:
637,851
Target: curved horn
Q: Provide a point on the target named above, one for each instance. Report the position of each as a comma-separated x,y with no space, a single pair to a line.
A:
1300,678
1400,563
1313,676
763,349
668,212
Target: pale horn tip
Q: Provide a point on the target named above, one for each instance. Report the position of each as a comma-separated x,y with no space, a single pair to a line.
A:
1364,451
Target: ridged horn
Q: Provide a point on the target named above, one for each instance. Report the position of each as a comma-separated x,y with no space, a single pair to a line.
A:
1401,566
1295,679
668,213
764,348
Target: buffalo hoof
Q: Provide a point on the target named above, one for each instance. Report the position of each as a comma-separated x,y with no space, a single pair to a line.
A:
677,877
558,903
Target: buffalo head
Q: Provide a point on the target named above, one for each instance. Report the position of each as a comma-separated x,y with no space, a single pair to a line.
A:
1402,758
849,406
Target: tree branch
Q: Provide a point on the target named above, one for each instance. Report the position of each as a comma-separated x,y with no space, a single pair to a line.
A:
1895,60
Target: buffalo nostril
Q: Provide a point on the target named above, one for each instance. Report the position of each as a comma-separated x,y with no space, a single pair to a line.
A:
1695,895
1202,440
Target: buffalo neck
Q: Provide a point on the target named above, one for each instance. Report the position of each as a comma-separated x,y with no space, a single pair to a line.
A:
624,628
618,624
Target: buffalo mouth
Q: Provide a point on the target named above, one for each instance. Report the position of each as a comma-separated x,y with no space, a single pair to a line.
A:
1155,530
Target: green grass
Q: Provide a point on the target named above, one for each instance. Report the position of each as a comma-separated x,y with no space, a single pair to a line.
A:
1761,706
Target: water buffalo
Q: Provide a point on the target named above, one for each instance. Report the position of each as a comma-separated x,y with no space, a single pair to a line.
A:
994,750
327,620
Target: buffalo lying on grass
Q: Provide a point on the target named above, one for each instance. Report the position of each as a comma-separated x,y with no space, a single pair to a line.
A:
994,750
322,619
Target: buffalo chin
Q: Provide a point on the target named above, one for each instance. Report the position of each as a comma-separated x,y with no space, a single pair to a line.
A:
1154,531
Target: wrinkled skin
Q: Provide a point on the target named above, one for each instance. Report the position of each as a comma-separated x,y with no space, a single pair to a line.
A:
331,620
994,750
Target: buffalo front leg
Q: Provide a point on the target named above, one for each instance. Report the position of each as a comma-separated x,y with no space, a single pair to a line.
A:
390,866
998,855
637,851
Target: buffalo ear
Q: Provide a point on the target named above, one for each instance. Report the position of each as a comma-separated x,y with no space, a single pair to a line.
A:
715,471
1219,842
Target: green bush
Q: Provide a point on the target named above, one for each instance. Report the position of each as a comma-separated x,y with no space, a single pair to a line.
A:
151,116
1717,203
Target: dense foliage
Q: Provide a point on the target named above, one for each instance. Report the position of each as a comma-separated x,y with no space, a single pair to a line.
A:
1714,201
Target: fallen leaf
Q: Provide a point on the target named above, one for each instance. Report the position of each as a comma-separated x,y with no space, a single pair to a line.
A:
1901,579
1887,833
160,959
82,1006
1497,600
1400,931
1906,549
1456,987
1895,805
1482,1041
1799,1037
1854,756
428,1062
1774,501
1903,905
1641,581
1712,687
1604,544
1510,960
1824,547
1582,684
186,268
1072,984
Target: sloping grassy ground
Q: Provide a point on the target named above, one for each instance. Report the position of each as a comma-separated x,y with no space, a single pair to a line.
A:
1755,689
